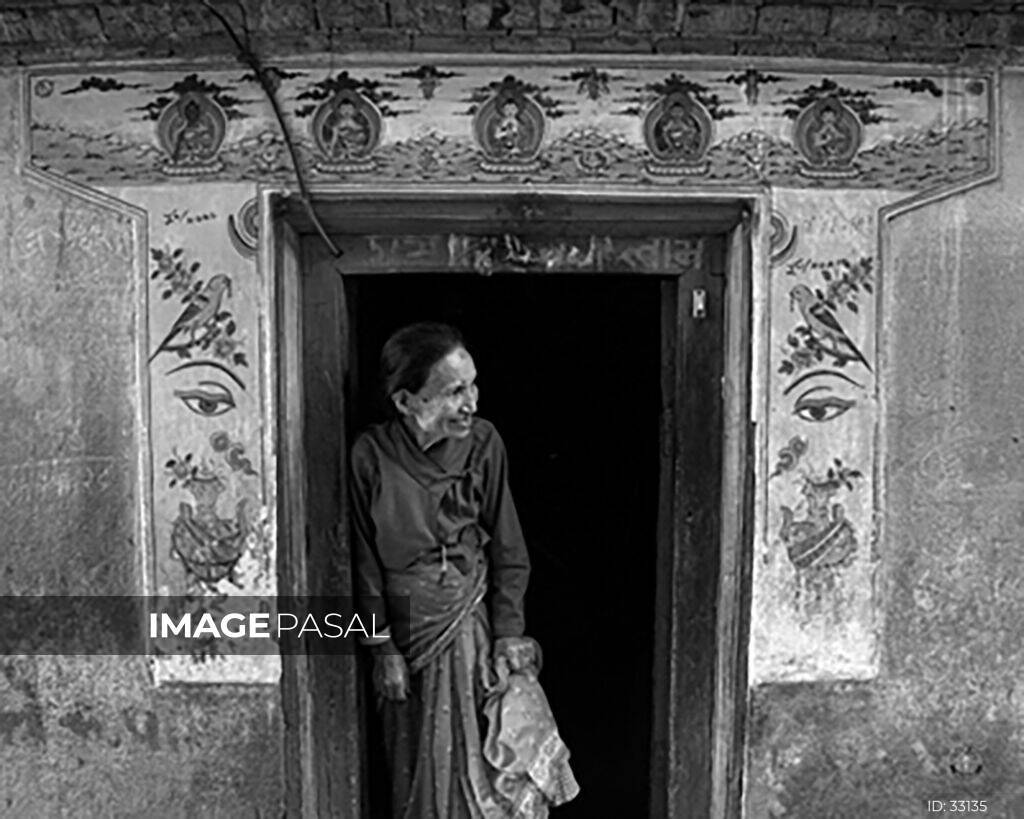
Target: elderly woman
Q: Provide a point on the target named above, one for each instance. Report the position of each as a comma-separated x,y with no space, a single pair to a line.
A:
442,565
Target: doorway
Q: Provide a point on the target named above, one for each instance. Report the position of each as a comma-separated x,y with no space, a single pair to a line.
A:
607,391
569,374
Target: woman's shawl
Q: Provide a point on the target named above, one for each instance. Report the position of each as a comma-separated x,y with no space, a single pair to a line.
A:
437,603
523,745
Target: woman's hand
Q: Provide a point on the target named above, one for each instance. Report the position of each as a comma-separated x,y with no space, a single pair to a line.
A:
520,652
391,676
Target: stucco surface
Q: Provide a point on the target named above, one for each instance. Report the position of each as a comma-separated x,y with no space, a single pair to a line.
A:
92,736
941,720
945,718
594,124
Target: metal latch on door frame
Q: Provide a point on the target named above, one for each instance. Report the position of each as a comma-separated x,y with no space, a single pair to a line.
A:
700,303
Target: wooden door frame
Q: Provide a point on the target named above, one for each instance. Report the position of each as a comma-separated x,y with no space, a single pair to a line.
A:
745,328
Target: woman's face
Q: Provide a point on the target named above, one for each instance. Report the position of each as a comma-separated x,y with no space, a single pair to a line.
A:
445,405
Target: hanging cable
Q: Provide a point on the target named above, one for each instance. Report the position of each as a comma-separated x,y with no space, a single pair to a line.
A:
248,56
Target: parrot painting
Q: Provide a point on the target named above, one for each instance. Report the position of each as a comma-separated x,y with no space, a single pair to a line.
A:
824,325
188,328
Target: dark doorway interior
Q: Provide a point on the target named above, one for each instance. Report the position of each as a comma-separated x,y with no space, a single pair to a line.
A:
569,372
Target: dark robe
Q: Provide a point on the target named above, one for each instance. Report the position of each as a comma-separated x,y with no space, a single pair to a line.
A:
442,564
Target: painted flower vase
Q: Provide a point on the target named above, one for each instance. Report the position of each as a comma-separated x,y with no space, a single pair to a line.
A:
346,130
813,544
509,130
677,132
191,131
208,546
825,537
828,134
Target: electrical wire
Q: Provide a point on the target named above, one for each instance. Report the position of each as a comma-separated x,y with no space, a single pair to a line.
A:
248,56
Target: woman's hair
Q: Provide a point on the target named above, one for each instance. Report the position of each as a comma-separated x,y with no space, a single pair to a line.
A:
411,352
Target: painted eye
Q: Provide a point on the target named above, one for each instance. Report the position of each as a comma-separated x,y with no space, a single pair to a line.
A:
818,410
210,398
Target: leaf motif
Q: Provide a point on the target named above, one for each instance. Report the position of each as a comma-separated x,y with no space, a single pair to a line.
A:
177,253
853,307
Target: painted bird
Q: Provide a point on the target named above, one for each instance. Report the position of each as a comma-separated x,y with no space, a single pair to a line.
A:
197,314
823,323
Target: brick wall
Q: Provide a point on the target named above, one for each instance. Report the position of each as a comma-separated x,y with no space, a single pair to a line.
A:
946,31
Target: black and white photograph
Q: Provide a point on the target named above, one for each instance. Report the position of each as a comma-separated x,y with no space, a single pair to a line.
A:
511,409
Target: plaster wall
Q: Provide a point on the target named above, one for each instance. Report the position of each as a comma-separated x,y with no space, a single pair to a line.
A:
92,736
835,697
824,148
944,718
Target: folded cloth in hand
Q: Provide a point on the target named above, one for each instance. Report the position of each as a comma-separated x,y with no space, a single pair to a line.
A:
524,747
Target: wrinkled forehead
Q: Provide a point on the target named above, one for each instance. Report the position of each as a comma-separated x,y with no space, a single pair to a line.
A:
455,367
